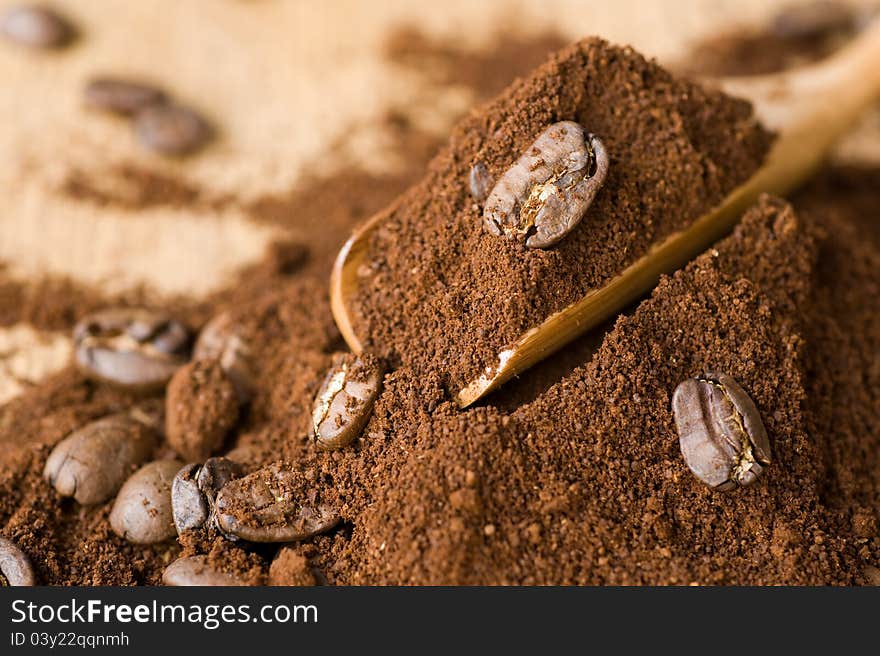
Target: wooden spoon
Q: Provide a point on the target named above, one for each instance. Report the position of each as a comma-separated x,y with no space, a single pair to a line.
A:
810,108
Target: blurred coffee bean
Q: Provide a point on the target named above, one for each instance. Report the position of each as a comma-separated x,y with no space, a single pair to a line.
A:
345,401
189,507
93,462
548,190
273,504
479,182
220,340
195,488
813,20
132,348
15,566
201,407
171,129
194,571
142,511
121,96
215,474
36,27
721,434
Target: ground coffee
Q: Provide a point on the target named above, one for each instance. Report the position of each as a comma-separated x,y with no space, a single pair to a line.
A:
572,474
432,273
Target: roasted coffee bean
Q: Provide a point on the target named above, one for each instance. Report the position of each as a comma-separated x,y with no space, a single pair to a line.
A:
93,462
120,96
215,474
220,340
479,182
201,407
132,348
194,489
814,20
195,570
189,507
273,505
721,435
15,566
345,401
142,511
171,129
36,27
545,194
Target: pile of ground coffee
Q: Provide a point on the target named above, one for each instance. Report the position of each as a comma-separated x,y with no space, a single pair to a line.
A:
571,474
433,274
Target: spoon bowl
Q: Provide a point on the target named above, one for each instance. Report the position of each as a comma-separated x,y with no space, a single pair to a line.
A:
810,108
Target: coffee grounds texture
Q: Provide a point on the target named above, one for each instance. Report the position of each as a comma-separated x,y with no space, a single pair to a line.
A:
431,271
571,474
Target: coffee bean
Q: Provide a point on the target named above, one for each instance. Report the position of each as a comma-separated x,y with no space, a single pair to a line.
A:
345,401
721,435
545,194
189,507
36,27
171,129
131,348
195,570
220,340
92,463
814,20
194,489
15,566
479,182
142,511
201,407
215,474
273,504
120,96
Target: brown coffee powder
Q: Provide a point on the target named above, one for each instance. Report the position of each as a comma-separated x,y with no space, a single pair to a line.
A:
432,272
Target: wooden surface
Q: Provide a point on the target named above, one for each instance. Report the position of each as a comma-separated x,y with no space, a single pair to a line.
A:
283,80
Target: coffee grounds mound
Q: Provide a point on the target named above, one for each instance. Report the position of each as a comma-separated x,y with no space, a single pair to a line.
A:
432,273
586,484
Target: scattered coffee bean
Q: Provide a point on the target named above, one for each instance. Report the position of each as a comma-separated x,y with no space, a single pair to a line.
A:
480,182
92,463
195,570
813,20
545,194
215,474
36,27
290,568
120,96
721,435
345,401
273,505
195,488
219,339
171,129
200,409
131,348
189,507
142,511
15,566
